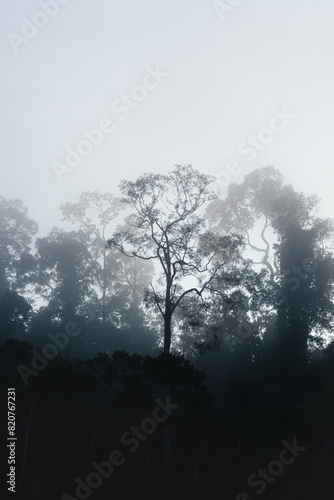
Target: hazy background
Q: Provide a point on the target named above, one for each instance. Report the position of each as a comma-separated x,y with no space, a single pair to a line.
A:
225,78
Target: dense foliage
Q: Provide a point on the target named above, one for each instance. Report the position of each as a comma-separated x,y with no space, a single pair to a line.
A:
167,341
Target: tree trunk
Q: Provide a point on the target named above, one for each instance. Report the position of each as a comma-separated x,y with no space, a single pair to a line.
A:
168,332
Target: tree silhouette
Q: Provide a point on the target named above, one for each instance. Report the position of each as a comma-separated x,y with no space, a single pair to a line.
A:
16,231
166,228
64,274
94,212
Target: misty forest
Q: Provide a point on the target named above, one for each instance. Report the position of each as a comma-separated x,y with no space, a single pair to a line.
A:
171,342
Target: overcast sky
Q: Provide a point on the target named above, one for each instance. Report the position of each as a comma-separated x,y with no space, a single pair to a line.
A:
198,83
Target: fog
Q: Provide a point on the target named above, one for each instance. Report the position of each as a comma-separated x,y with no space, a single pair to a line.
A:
166,249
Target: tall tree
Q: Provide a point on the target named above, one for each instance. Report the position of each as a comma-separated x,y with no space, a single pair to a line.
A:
282,225
64,273
260,209
306,299
166,227
94,213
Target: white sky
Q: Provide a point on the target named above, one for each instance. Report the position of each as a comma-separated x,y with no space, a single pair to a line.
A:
225,79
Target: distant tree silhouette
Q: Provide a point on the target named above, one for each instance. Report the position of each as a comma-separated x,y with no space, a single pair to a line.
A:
94,213
14,315
16,231
64,274
281,225
305,300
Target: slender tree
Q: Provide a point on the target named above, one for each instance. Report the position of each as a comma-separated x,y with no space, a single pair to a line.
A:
166,227
94,213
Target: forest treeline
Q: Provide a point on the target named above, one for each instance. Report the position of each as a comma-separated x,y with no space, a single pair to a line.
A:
221,305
